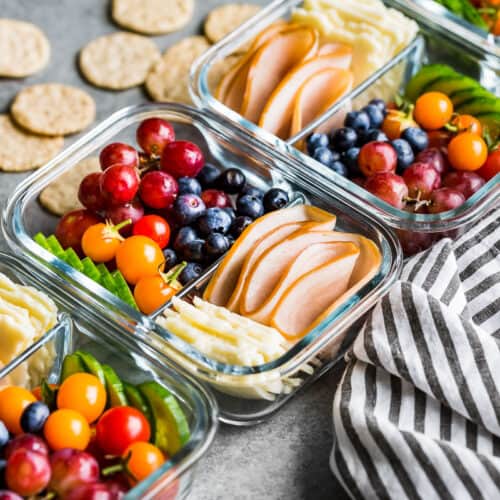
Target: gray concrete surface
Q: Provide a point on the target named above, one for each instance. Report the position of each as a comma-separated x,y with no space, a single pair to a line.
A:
285,458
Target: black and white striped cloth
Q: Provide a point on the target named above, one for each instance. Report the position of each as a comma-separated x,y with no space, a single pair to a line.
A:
417,413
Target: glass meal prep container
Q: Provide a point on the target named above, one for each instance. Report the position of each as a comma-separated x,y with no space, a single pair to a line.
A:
437,43
77,329
222,144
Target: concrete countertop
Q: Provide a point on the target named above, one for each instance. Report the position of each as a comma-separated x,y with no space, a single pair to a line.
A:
285,458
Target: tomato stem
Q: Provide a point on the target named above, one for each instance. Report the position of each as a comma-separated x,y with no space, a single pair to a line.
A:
122,224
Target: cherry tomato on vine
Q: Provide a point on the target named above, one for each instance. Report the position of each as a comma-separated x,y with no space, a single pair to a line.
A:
142,460
491,167
84,393
467,123
433,110
138,257
67,428
395,123
154,227
151,292
100,242
467,151
13,401
119,427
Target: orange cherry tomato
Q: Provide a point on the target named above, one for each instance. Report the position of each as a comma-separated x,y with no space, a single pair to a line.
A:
67,428
433,110
143,459
467,123
395,123
138,257
13,401
100,242
151,292
467,151
83,393
491,167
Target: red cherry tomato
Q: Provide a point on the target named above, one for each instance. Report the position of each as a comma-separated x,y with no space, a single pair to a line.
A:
119,427
491,167
154,227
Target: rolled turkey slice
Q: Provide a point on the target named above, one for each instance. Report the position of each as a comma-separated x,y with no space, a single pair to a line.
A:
310,295
271,267
310,258
223,282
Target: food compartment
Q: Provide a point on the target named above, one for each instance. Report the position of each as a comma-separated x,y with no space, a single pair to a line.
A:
76,346
265,172
470,88
294,60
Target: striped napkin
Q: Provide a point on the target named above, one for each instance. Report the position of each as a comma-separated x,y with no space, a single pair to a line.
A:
417,412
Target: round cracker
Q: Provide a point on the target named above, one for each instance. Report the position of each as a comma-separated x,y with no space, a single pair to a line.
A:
219,69
61,196
53,109
152,17
226,18
168,80
20,150
118,61
24,49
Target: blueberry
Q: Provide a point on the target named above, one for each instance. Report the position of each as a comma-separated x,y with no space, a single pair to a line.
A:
380,103
358,120
275,199
230,211
4,434
239,224
371,135
183,237
232,180
252,191
375,115
208,175
324,155
194,250
215,220
216,245
339,168
404,153
34,416
344,138
250,206
191,272
315,141
171,258
417,138
188,185
350,160
187,208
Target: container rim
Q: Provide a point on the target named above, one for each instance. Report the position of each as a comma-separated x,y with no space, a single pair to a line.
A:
91,294
205,407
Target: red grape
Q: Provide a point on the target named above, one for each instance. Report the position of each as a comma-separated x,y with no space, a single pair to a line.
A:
89,192
216,198
445,199
182,159
9,495
120,184
377,158
26,442
71,468
389,187
421,179
27,472
118,153
414,242
70,228
93,491
119,213
158,190
465,182
154,134
434,157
